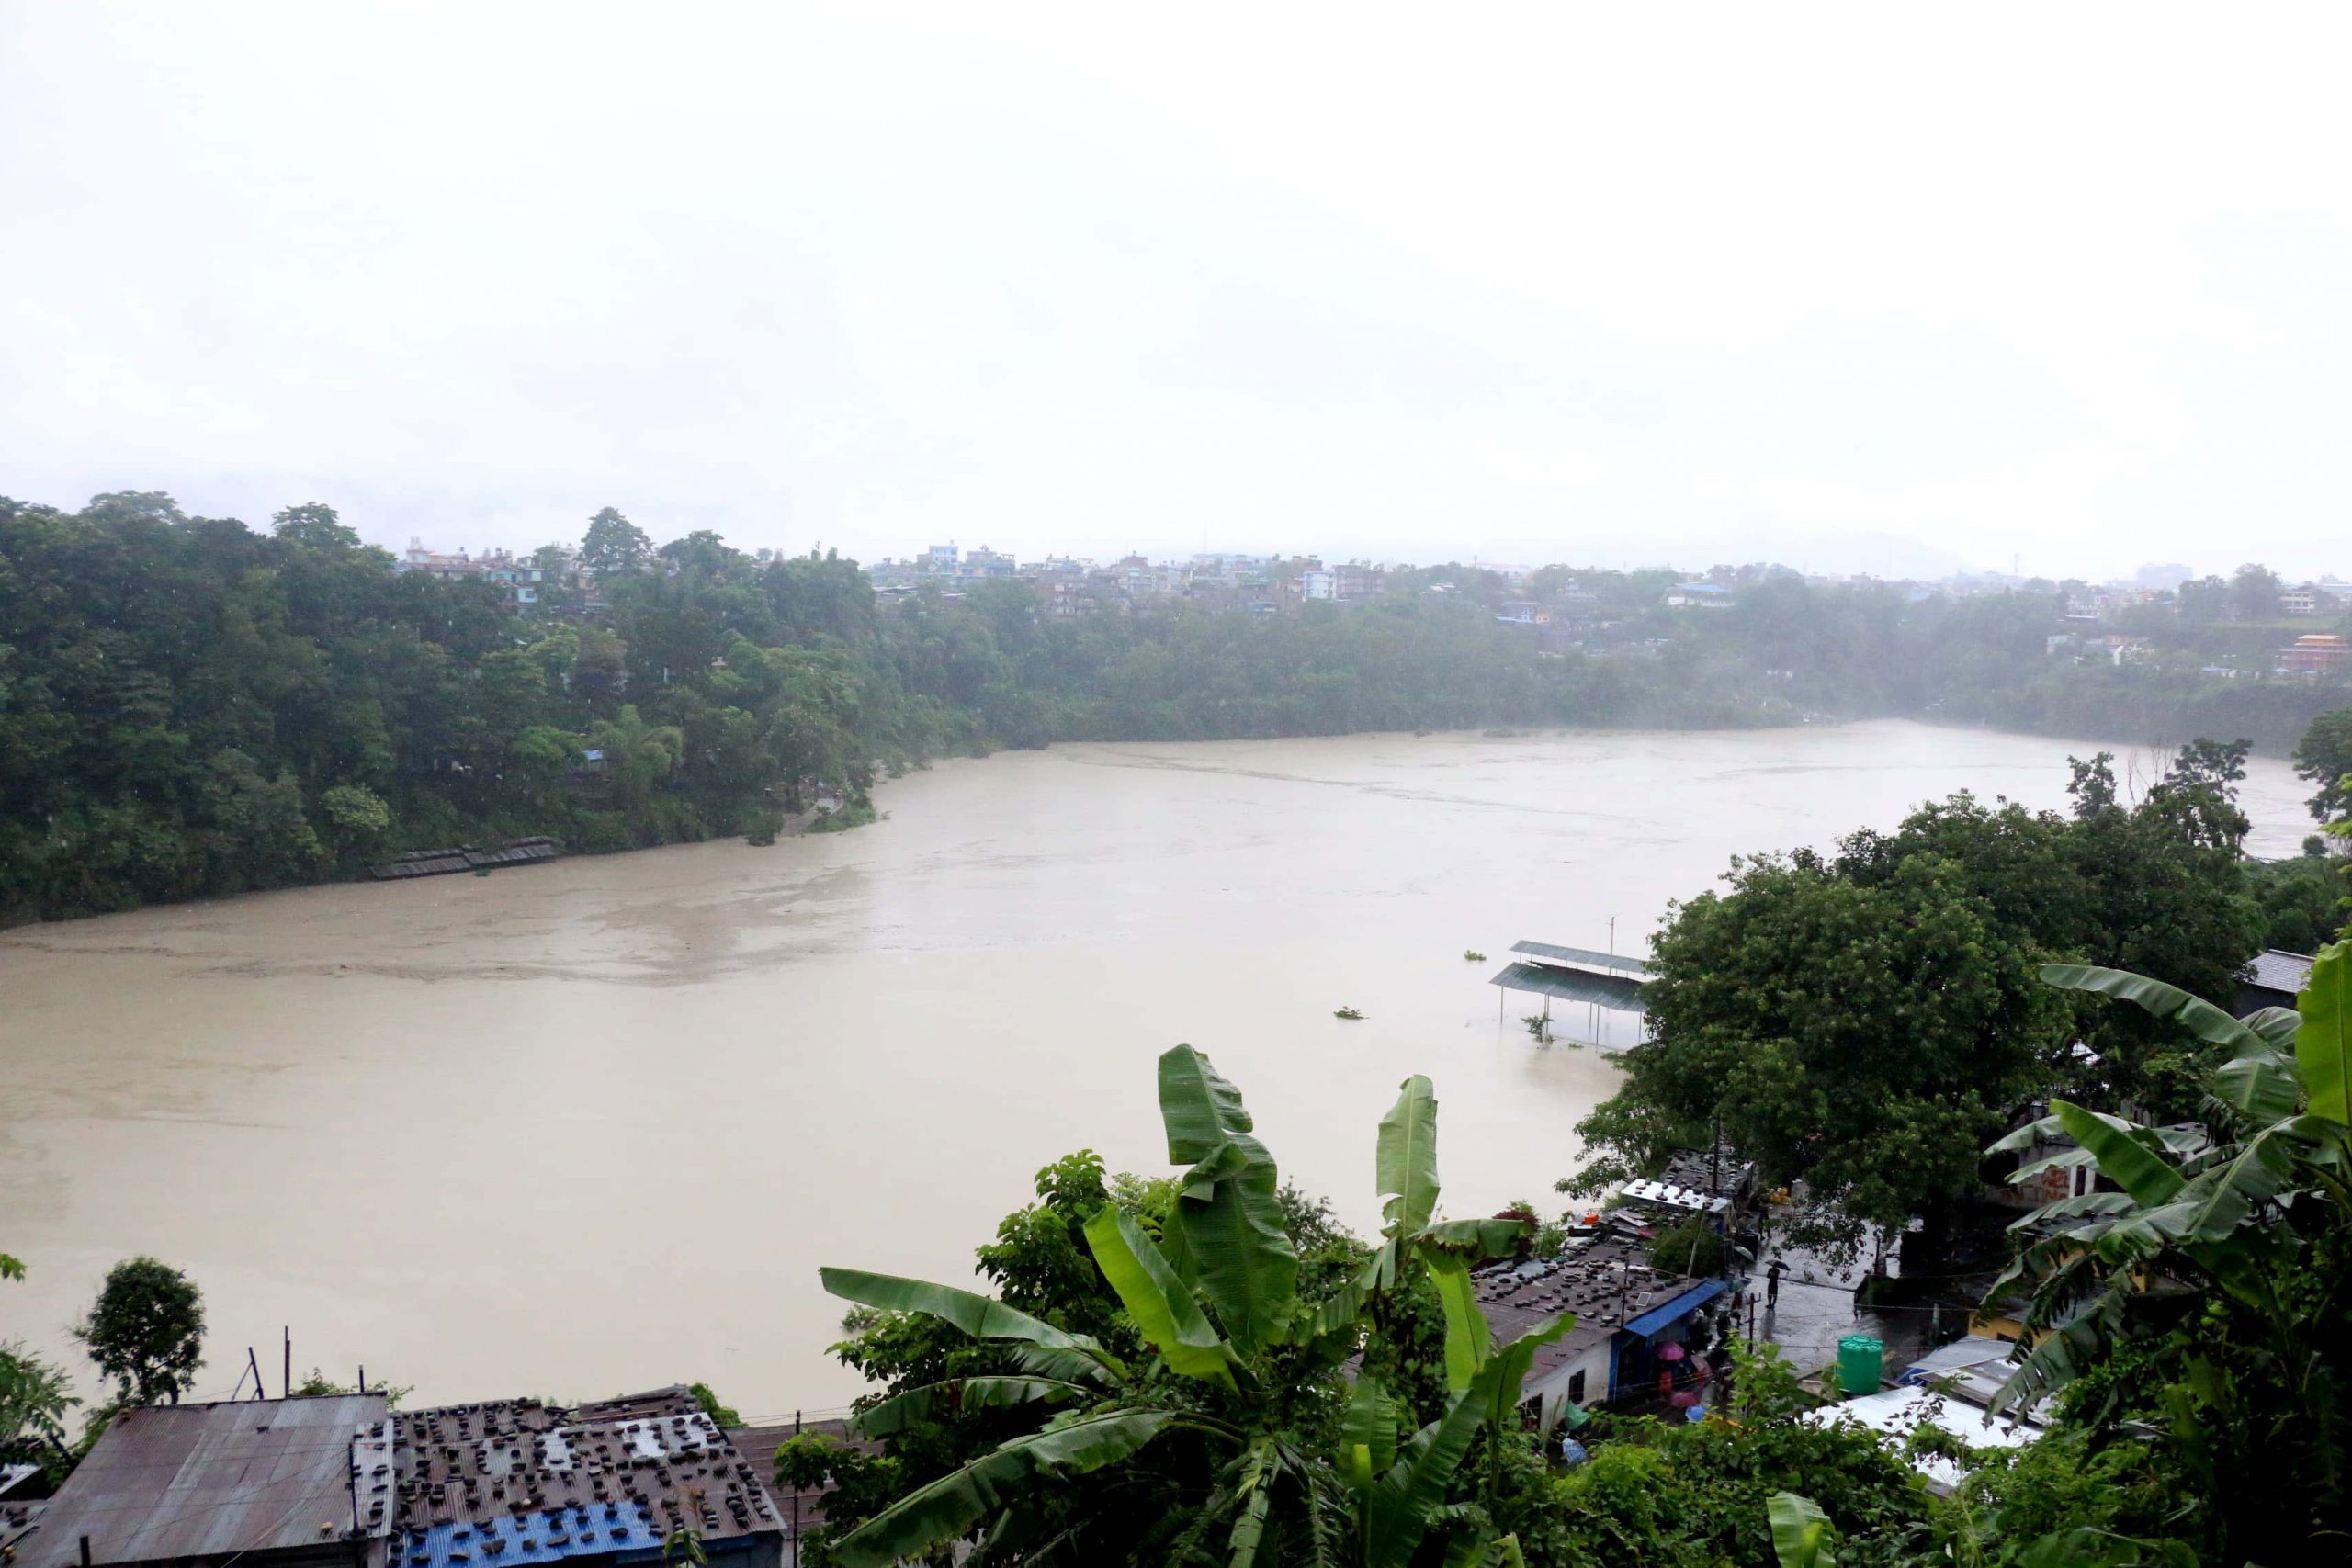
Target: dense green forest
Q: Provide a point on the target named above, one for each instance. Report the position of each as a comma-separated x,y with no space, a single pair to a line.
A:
189,706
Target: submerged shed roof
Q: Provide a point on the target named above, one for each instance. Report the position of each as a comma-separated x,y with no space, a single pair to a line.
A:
179,1481
1571,985
1583,958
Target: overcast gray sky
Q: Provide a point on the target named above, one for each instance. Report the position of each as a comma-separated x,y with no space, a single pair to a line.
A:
1876,289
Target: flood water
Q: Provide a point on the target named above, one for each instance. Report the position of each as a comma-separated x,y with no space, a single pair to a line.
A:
587,1127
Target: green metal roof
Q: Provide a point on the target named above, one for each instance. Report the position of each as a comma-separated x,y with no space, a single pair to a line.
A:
1571,985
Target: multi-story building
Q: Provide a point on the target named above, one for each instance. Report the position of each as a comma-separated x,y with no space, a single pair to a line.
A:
2318,654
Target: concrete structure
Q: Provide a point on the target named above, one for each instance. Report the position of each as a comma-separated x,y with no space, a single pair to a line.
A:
2317,654
1626,1311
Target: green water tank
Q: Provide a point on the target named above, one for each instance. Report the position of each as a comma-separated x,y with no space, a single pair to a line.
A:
1861,1363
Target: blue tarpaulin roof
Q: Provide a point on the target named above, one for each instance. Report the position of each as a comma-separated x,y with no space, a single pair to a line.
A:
1680,1307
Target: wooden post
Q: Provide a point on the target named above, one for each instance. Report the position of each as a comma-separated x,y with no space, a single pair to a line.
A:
261,1389
285,1389
796,1502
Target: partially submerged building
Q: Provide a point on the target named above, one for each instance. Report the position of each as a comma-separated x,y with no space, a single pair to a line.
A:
1602,991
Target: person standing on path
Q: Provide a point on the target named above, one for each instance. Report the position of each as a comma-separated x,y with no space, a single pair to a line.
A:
1772,1285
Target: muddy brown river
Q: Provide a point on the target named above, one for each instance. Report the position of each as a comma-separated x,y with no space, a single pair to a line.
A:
587,1127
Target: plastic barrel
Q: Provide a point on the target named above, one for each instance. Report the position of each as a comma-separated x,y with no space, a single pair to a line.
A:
1861,1363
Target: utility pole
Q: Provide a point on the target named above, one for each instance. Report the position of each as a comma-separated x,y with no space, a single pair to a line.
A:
285,1389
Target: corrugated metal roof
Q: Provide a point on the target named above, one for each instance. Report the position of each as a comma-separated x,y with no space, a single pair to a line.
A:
1666,1314
2275,969
758,1446
1606,1277
1584,958
207,1480
652,1464
1571,985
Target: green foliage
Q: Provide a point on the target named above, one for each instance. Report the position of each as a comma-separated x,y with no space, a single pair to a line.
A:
146,1330
1674,1495
2323,757
723,1415
35,1395
188,707
1801,1532
1693,1248
2302,900
1222,1423
1866,1020
2214,1273
318,1383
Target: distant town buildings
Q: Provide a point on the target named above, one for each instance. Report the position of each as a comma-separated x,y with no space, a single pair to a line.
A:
519,582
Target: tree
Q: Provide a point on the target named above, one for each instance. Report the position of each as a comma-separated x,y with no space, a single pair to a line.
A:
2301,899
1863,1028
2254,593
2324,758
2211,1268
614,546
638,755
2204,600
146,1331
35,1394
1236,1377
314,527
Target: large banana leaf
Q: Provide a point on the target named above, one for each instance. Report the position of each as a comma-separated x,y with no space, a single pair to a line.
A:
2277,1025
1800,1531
1258,1495
1406,1158
1402,1502
1067,1366
1234,1240
1199,1107
2200,1017
2261,1086
955,1503
1508,1378
2324,1041
1331,1328
1163,1308
2065,1351
1468,1338
2123,1158
938,1401
979,1316
1367,1434
1475,1240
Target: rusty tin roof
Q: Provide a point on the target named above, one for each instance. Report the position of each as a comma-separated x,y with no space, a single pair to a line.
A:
193,1481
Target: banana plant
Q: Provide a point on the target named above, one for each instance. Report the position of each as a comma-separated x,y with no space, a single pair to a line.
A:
1215,1298
1801,1532
2191,1215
